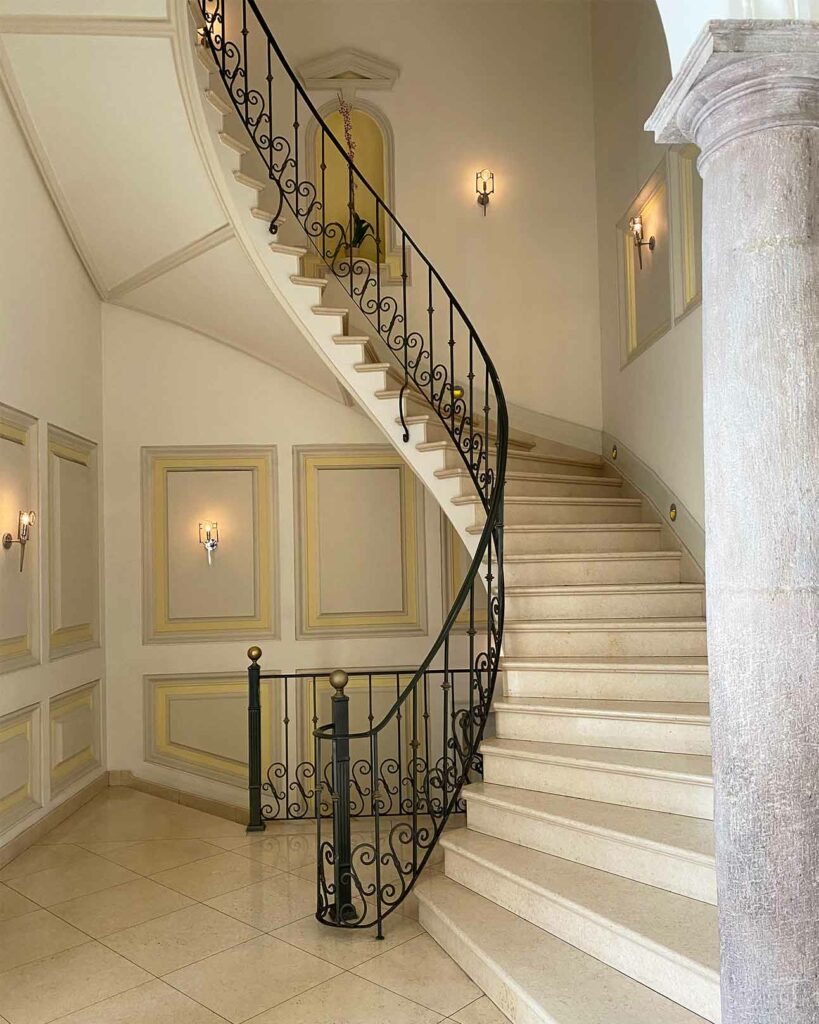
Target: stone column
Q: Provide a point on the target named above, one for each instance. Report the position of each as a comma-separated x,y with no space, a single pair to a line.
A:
748,96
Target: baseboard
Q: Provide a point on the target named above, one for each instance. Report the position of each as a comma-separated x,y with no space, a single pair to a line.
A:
231,812
52,818
687,530
576,435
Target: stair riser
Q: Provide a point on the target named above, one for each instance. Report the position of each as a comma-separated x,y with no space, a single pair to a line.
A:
481,971
524,513
590,571
517,462
657,604
559,489
603,643
557,541
623,733
630,859
654,793
590,685
674,978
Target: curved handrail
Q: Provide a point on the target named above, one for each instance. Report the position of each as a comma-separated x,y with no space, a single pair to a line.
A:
253,67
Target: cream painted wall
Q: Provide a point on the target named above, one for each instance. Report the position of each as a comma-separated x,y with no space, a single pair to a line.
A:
50,368
508,86
654,403
165,385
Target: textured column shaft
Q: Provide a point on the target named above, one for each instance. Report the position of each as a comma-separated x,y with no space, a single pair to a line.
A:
756,119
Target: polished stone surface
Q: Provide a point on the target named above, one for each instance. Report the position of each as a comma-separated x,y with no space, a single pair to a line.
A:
136,910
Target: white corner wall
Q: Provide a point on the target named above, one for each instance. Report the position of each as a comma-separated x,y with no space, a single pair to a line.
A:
504,85
653,404
51,370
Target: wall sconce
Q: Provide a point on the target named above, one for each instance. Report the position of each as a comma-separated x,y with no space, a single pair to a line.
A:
635,226
485,187
25,520
209,538
201,37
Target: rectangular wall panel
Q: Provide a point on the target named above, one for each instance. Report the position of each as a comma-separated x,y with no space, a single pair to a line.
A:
74,735
359,527
73,557
198,724
19,765
456,563
18,492
187,599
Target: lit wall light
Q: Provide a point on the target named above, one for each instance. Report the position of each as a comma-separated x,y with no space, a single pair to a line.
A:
209,538
25,520
485,187
635,226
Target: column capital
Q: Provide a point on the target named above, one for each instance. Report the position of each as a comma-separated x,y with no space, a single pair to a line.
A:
738,78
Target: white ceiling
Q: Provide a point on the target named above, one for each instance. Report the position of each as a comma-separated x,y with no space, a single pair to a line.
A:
104,115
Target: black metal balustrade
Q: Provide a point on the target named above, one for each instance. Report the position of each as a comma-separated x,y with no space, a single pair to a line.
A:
444,367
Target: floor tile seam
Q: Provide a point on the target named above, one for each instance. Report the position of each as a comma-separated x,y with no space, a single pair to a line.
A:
347,970
38,959
95,1002
121,885
458,1009
34,846
137,842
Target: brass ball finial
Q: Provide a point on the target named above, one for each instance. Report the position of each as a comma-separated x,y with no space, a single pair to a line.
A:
254,653
338,680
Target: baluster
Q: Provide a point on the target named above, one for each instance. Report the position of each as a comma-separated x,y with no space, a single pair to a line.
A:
342,843
485,450
451,368
221,7
377,843
472,680
269,114
414,779
296,146
371,719
323,194
446,722
427,760
378,264
402,395
254,742
316,764
286,723
246,69
317,813
471,379
430,312
351,191
398,718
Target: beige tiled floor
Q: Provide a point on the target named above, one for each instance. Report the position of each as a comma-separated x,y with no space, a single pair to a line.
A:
139,911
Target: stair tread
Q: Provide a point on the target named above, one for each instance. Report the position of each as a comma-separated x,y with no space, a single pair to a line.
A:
597,556
684,928
576,988
653,762
689,836
639,709
649,623
536,499
675,663
559,478
573,528
569,589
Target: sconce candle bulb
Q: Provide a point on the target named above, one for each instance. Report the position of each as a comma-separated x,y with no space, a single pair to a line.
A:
485,187
25,520
209,538
636,228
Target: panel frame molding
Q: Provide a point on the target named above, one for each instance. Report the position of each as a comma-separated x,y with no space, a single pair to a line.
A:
64,773
16,652
159,747
308,461
452,580
157,462
19,803
66,640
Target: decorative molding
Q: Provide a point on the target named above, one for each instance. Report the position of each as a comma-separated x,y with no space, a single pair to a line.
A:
346,71
71,761
18,435
165,694
410,616
173,260
686,231
686,528
74,450
159,626
455,563
654,192
19,765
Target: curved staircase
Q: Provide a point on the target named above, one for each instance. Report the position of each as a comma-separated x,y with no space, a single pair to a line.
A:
582,890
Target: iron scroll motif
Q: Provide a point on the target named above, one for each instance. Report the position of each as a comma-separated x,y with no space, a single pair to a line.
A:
408,767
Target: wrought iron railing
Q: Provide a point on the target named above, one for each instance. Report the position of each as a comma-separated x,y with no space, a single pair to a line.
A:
443,365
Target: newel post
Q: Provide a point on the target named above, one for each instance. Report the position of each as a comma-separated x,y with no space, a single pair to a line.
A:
254,742
342,841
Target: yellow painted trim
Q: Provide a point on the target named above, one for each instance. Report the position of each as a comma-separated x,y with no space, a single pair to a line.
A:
59,708
72,764
691,288
67,636
631,295
455,578
161,466
408,615
14,646
161,694
70,454
12,432
21,727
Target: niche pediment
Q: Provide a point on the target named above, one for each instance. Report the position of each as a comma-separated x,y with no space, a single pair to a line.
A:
347,71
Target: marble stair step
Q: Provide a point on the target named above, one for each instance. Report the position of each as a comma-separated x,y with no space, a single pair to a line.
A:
651,779
578,537
666,850
544,484
658,678
625,724
663,940
532,976
606,601
592,567
523,510
603,637
577,465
